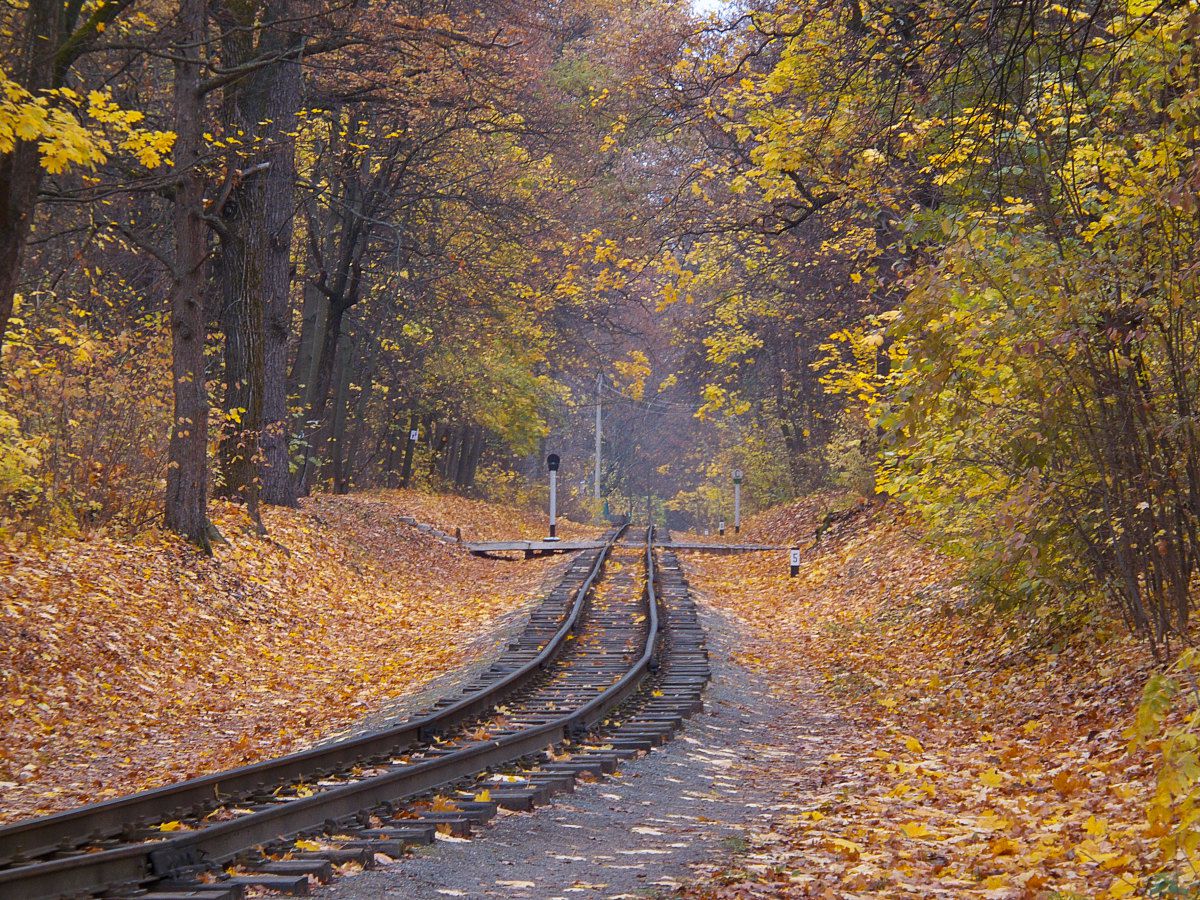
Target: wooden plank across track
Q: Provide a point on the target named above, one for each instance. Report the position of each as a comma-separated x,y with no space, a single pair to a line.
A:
530,548
481,548
720,548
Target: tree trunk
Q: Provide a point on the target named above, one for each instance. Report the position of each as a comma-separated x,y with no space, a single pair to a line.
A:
476,455
470,458
396,442
187,468
464,456
409,446
437,454
254,270
341,409
331,347
302,381
278,484
354,438
21,170
312,322
450,460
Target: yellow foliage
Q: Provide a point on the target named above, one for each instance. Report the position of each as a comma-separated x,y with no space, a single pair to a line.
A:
70,132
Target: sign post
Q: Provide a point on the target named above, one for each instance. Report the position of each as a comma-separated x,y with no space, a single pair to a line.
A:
737,501
552,465
794,561
721,527
413,435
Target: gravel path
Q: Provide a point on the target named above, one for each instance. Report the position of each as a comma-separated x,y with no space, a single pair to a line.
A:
634,835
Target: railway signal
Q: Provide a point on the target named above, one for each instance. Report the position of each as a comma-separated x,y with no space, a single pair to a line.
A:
737,501
552,464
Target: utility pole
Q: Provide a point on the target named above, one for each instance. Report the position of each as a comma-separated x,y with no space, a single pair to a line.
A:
599,384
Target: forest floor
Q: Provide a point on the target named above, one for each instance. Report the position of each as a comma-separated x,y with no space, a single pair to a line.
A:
872,730
126,664
987,755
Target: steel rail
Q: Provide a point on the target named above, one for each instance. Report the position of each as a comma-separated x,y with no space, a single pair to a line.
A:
31,838
142,862
595,711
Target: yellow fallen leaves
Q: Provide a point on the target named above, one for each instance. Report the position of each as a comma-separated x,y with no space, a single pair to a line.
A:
127,664
478,519
992,778
987,757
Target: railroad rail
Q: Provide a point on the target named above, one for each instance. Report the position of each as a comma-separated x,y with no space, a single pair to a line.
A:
583,663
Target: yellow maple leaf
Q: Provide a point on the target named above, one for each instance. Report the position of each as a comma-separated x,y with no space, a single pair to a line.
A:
1122,887
845,847
916,830
1095,827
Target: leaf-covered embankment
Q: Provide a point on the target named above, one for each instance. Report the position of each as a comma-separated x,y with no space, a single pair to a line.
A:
989,757
125,665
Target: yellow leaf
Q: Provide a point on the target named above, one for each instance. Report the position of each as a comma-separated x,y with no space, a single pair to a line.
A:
916,830
1121,887
845,847
1004,846
1095,827
913,744
992,778
307,845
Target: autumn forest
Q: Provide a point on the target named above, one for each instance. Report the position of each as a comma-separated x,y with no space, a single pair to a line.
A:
885,315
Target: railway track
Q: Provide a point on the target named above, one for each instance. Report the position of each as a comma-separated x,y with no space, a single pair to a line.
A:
610,664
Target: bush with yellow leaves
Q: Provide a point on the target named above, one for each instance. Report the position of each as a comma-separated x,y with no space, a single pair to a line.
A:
1168,720
84,419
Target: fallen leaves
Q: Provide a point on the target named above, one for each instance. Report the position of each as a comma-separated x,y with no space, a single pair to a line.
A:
988,759
125,665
